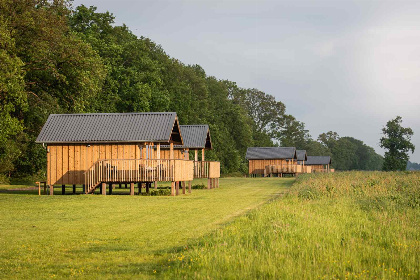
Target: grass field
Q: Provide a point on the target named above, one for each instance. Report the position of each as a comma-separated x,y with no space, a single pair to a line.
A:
92,236
351,225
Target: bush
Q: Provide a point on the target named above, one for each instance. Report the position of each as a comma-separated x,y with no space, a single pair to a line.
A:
158,192
4,179
198,187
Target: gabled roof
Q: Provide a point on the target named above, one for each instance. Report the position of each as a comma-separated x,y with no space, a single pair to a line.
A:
301,154
116,127
318,160
195,137
271,153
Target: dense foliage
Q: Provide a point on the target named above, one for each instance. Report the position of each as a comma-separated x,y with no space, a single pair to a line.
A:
58,60
397,142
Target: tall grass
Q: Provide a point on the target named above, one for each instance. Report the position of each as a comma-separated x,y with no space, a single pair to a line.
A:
350,225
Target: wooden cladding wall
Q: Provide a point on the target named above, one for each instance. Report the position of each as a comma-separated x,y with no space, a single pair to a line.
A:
319,167
66,164
164,154
258,166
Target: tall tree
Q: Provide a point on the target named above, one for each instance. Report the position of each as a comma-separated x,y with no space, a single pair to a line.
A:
329,139
397,142
13,101
292,133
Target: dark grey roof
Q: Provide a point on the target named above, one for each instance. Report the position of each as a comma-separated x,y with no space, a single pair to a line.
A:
318,160
195,137
118,127
301,154
271,153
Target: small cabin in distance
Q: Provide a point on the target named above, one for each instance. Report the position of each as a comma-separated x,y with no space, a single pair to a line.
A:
265,161
95,149
319,163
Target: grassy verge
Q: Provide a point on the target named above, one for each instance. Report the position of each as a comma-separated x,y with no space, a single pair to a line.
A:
354,225
92,236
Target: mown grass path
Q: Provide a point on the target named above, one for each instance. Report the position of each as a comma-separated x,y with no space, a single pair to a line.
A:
92,236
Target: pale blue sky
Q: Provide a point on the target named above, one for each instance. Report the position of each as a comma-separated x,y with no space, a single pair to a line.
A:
346,66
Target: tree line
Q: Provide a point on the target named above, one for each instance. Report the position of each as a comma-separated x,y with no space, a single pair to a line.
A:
59,59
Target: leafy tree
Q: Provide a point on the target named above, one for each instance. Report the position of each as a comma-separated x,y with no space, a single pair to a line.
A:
344,155
13,101
329,139
315,148
46,69
348,153
292,133
397,142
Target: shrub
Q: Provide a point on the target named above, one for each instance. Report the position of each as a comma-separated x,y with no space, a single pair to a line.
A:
198,187
158,192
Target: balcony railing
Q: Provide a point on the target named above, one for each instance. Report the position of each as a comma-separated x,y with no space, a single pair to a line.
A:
138,170
206,169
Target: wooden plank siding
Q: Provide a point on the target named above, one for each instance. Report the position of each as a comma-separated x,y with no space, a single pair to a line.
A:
66,164
258,166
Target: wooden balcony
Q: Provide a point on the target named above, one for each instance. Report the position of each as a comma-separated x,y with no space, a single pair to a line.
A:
138,170
206,169
280,169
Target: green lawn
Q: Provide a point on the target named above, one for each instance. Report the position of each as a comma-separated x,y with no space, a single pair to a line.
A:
94,236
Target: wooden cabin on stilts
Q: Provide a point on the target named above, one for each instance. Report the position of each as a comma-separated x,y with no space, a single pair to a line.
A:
271,161
96,150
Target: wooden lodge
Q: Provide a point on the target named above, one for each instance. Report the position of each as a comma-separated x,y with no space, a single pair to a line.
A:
319,164
272,161
98,149
196,138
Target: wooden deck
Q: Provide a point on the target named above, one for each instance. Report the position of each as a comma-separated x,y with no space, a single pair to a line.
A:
279,170
271,170
138,170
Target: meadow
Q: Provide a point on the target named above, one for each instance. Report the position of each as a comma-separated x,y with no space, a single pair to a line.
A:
350,225
104,237
347,225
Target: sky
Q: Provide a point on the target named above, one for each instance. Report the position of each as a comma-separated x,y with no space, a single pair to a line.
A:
344,66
